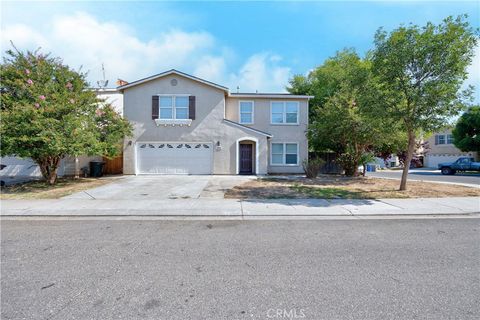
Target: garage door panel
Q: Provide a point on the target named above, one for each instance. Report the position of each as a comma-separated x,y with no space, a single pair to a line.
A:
433,160
174,158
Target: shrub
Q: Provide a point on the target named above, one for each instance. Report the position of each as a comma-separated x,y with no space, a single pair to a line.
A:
312,167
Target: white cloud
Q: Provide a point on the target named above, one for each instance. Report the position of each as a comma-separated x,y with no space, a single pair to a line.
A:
261,72
211,68
22,35
83,40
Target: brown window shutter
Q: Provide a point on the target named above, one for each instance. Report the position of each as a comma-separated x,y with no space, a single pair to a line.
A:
191,107
155,107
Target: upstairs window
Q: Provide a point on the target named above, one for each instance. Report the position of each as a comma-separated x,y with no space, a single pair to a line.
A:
283,112
449,138
246,112
439,139
173,107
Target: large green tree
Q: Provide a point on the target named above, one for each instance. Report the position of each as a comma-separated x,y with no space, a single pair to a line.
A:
420,71
48,112
326,80
466,134
339,120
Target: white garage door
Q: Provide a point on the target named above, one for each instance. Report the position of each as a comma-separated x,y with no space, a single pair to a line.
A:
174,158
432,160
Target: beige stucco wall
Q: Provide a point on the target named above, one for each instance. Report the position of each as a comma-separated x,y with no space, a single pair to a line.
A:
281,133
207,127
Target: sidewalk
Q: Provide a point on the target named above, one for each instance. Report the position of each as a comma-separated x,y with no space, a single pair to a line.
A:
240,208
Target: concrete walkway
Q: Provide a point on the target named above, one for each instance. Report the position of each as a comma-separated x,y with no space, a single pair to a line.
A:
240,208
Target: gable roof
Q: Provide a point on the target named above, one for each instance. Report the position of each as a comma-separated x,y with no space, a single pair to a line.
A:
248,128
169,72
270,95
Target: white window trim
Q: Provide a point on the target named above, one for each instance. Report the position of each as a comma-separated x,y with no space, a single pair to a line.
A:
173,122
284,113
284,164
240,111
174,108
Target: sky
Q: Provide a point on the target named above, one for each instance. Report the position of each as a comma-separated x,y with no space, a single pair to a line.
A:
250,45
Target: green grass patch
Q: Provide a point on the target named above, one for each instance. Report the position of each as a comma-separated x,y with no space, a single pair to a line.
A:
272,179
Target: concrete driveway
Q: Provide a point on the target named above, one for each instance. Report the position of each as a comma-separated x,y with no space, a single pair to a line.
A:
163,187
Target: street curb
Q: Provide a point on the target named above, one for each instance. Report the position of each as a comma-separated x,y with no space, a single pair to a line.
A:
470,215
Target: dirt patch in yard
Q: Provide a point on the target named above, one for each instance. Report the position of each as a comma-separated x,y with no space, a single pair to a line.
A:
339,187
40,190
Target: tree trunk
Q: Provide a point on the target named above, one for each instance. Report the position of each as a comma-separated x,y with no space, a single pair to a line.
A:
77,168
406,167
364,169
355,169
356,160
49,168
351,165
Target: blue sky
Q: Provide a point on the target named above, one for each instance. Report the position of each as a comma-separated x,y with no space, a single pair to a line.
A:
254,45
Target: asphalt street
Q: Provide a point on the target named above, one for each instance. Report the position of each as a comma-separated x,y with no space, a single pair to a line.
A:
322,269
429,175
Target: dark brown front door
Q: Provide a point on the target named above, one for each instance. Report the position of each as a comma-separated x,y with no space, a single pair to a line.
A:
246,156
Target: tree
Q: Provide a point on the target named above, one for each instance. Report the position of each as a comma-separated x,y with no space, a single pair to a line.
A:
466,134
324,81
48,113
394,144
420,71
338,120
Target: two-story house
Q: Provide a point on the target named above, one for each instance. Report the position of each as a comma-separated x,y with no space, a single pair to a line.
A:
187,125
442,149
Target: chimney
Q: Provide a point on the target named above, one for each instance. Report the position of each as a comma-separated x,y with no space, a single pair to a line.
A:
121,82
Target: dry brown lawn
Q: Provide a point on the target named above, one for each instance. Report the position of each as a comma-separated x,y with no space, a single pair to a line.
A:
339,187
40,190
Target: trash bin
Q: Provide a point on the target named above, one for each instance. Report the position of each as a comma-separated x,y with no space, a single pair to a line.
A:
96,168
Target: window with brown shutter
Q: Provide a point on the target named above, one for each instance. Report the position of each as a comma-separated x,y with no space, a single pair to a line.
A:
155,107
191,107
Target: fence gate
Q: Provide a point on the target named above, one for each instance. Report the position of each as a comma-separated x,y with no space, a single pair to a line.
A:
113,166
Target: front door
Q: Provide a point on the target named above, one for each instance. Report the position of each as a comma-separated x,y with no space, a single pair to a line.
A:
246,157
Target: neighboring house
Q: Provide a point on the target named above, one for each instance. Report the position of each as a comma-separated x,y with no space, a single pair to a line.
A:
391,162
112,96
187,125
18,169
442,149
